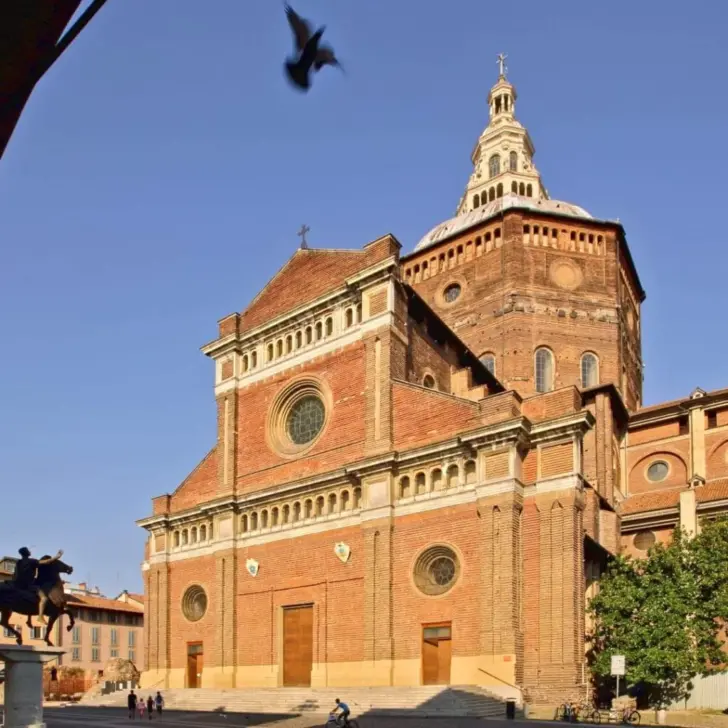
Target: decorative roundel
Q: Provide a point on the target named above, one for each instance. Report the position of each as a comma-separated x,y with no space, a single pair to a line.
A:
566,274
644,540
658,471
436,570
194,603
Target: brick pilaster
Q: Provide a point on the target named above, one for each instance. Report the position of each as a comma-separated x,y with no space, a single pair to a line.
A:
225,652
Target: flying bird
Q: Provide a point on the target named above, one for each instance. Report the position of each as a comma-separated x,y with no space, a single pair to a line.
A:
311,54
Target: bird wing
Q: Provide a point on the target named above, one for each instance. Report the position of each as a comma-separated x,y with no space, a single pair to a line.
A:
301,29
325,57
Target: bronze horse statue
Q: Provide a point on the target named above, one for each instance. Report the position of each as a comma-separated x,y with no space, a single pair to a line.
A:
26,601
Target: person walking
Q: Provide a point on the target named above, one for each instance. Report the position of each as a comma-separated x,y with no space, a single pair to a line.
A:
140,707
131,703
159,702
150,706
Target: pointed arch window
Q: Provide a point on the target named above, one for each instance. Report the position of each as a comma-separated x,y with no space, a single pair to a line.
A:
589,370
476,201
544,366
494,165
513,162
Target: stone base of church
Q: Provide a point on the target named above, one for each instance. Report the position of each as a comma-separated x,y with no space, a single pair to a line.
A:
497,672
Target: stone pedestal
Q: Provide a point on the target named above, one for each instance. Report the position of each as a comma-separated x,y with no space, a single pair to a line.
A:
24,683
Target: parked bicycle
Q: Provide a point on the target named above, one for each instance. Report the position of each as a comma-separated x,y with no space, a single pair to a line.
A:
626,716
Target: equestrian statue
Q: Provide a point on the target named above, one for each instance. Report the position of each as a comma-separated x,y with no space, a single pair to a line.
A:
36,589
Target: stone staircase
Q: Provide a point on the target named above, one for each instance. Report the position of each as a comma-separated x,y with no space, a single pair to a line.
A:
442,701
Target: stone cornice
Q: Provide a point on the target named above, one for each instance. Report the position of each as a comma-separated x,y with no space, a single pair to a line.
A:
565,426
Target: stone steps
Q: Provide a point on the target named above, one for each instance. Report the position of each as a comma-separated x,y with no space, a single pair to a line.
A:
443,701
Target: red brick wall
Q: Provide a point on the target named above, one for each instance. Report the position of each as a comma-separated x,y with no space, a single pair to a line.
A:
199,486
426,357
674,454
716,453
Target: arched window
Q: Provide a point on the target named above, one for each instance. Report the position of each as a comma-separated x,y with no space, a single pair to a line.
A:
522,189
274,517
286,514
299,339
345,501
529,191
589,370
499,190
320,506
193,534
488,361
264,519
289,344
319,330
513,162
308,508
494,165
514,187
453,476
358,313
329,326
404,487
245,363
420,484
491,194
270,352
332,503
254,360
176,539
476,201
436,479
297,511
254,521
544,365
203,533
279,347
470,472
349,318
357,497
185,537
309,334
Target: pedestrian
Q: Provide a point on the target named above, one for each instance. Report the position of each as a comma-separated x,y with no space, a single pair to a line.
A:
150,706
131,703
159,702
141,706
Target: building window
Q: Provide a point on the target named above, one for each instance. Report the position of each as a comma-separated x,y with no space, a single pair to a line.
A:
113,618
132,656
488,361
37,633
94,635
644,540
349,316
76,635
95,654
452,292
329,326
132,639
476,201
658,471
589,370
494,165
319,331
712,419
76,654
113,652
194,603
544,365
114,636
305,420
513,162
429,381
436,570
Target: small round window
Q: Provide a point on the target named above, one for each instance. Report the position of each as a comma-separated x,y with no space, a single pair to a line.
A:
658,471
452,292
436,570
194,603
305,420
428,381
644,540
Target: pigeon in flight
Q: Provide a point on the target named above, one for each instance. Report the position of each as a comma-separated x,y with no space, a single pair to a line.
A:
311,54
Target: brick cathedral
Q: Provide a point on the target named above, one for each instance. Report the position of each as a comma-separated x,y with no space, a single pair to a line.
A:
424,460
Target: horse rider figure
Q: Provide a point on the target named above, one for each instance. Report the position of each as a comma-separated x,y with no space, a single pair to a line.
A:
24,579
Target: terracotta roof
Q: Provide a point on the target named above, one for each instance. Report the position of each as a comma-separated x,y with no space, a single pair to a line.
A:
136,597
673,402
306,276
110,605
715,490
655,501
660,499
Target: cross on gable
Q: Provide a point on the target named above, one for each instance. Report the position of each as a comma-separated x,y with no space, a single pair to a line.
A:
302,234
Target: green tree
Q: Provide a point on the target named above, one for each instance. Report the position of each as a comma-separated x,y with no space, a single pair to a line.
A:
664,613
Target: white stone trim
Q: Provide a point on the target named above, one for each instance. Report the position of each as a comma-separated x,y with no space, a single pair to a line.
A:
434,500
551,485
328,346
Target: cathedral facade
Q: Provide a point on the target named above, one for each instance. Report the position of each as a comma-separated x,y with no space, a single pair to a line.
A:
424,460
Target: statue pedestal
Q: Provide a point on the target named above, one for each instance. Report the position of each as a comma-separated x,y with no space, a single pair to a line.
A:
24,683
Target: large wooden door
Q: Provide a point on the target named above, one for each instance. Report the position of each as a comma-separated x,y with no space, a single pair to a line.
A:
297,646
195,662
436,654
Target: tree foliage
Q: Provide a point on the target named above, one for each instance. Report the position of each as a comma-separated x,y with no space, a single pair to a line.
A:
665,613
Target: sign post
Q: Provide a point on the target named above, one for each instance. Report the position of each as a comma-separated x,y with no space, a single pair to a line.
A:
618,668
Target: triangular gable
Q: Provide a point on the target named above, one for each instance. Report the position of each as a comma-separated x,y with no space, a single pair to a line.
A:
308,275
200,485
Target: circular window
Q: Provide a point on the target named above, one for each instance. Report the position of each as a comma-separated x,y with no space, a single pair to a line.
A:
428,381
452,292
436,570
298,416
658,471
644,540
194,603
306,420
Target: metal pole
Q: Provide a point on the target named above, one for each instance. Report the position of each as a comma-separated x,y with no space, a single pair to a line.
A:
617,686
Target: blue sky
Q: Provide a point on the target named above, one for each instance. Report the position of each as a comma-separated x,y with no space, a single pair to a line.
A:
161,170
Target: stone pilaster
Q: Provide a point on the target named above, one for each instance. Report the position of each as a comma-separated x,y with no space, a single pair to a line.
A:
227,439
221,673
157,618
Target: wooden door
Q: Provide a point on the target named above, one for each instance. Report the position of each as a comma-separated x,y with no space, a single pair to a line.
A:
297,646
195,661
436,654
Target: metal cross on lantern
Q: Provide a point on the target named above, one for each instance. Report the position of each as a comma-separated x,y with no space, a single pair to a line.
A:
302,234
